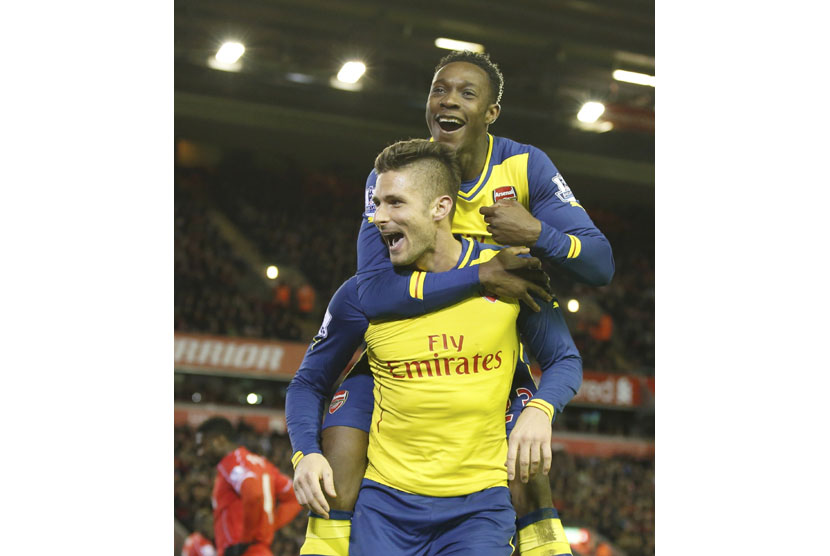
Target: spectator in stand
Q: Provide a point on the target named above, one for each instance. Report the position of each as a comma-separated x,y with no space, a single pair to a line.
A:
282,294
198,543
305,299
252,499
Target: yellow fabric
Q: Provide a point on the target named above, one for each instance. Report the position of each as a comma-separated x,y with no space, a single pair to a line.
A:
295,459
576,247
472,192
329,537
416,285
544,406
543,538
512,171
441,381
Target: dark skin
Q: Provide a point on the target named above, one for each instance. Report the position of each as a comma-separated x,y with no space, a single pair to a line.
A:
510,223
461,94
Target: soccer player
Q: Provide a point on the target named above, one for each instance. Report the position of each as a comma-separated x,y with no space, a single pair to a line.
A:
251,498
511,194
436,479
198,542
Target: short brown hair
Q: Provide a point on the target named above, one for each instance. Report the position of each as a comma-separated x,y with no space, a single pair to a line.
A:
443,167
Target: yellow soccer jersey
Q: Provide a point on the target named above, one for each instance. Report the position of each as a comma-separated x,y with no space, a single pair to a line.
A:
441,380
505,177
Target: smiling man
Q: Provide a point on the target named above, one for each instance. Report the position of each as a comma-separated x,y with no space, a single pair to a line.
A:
438,459
511,194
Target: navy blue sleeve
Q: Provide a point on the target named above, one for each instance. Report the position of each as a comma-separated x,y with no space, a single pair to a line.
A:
569,238
385,292
547,337
340,335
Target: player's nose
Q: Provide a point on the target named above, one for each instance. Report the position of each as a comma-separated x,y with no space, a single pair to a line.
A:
381,216
449,100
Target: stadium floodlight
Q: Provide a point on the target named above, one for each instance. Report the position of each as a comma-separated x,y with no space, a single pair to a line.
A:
634,77
253,398
590,112
351,72
577,535
452,44
573,305
230,52
272,272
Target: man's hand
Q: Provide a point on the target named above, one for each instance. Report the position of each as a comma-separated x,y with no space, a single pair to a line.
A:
307,475
511,223
508,275
529,443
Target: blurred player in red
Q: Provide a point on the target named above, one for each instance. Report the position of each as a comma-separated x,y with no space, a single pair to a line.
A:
198,542
251,498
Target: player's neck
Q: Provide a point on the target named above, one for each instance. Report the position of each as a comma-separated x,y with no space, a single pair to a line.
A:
472,160
444,256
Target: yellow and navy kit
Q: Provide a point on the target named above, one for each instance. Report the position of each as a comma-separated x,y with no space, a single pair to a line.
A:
440,384
512,170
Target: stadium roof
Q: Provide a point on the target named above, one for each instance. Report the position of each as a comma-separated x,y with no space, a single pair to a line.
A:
555,55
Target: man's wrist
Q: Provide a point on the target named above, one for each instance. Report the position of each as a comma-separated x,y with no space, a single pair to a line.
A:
299,455
535,233
542,406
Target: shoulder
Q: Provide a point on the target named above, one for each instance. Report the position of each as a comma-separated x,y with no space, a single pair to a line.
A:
508,147
230,460
483,252
346,297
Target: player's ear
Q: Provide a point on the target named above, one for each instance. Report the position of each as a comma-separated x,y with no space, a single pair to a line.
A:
492,113
442,207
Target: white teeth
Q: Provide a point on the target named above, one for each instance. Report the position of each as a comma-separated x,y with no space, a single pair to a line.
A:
450,120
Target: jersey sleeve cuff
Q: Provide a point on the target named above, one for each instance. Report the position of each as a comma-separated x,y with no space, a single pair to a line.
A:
549,410
295,459
552,244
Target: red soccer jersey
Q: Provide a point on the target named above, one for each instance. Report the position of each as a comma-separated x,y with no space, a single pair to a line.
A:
197,545
245,496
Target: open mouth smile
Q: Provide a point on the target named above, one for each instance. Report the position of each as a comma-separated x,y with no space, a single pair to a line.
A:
449,124
393,240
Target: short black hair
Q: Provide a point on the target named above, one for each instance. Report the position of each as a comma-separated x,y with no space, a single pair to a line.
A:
217,426
445,164
481,60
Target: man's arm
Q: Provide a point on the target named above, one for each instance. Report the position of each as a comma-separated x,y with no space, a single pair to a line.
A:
557,228
547,337
340,335
252,502
386,293
331,350
287,505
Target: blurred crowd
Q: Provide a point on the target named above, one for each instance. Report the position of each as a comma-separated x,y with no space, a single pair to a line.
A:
216,290
612,495
308,221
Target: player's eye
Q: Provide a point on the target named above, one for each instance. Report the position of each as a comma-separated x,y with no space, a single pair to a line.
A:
469,93
438,90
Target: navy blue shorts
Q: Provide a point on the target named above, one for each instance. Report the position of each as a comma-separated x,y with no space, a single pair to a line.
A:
352,404
388,521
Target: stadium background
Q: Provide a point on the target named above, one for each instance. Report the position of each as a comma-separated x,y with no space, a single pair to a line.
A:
271,155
